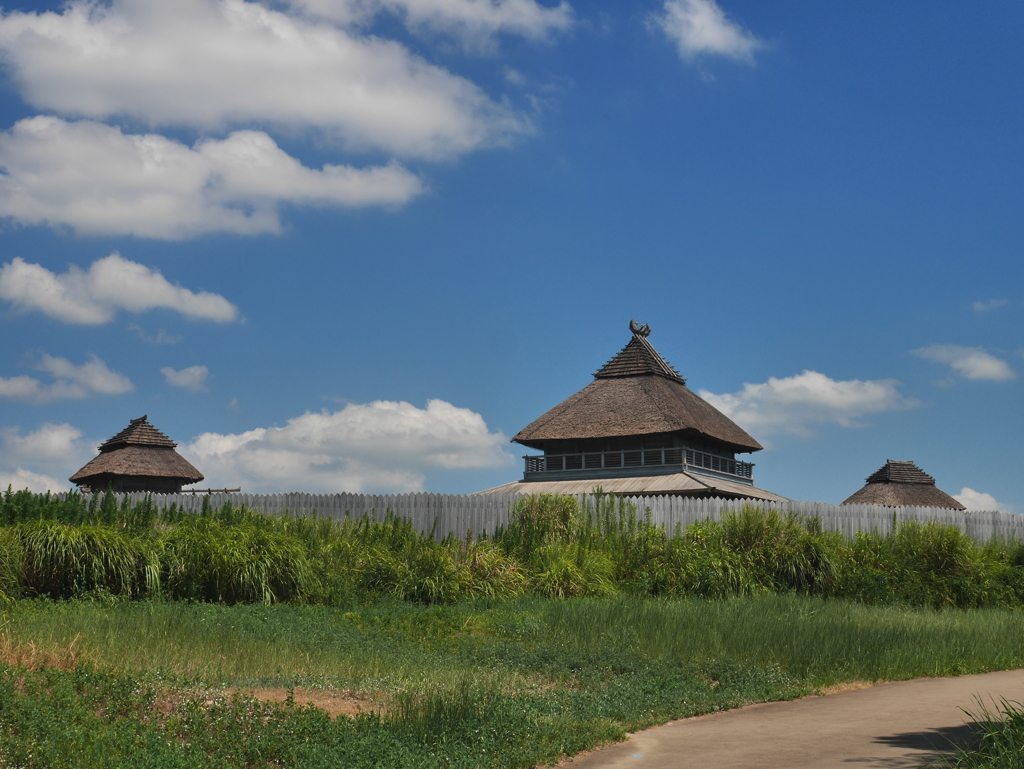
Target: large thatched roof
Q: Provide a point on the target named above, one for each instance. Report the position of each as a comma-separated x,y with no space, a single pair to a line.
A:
636,393
902,484
139,450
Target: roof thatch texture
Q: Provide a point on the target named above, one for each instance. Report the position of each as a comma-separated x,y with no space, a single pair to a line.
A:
636,393
902,484
139,450
637,358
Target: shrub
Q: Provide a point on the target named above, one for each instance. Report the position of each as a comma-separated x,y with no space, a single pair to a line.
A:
563,570
422,571
782,552
634,544
538,520
692,566
926,565
491,572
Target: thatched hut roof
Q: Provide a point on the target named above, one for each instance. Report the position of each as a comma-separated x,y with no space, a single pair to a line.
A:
636,393
902,484
138,450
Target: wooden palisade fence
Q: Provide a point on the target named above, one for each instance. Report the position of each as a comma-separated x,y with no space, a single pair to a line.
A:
483,513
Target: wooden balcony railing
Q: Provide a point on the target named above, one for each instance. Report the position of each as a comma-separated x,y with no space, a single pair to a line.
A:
617,460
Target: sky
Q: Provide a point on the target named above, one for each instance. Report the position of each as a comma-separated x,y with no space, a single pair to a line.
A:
357,245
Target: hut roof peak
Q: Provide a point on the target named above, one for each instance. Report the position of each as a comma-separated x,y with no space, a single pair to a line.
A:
139,432
639,358
901,483
900,471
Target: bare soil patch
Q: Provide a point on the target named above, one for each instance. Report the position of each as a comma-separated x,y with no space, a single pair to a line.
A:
334,703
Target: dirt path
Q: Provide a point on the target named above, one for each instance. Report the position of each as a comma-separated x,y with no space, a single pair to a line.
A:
896,726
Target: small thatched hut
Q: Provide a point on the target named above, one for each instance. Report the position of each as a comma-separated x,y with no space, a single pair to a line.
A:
637,429
902,484
139,458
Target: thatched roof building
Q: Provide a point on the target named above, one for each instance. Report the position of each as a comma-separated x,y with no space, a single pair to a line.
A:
637,429
902,484
139,458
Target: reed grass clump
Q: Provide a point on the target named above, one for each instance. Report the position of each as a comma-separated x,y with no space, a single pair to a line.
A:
64,560
205,560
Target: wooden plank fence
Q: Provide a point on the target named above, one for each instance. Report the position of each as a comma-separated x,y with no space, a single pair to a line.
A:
482,514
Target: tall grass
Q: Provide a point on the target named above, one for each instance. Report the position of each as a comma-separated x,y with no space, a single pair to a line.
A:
63,560
499,684
203,559
11,566
552,547
398,645
97,509
824,641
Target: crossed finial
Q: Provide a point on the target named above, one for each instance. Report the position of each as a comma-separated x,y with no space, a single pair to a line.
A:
639,330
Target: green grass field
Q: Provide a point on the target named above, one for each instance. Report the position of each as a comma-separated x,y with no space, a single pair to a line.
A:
490,683
126,634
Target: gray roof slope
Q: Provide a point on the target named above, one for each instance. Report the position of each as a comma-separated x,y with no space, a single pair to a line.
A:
681,484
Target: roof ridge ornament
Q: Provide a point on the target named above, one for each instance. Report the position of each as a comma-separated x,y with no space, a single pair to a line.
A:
639,329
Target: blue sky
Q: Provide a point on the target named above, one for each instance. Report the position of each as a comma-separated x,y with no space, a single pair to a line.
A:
356,245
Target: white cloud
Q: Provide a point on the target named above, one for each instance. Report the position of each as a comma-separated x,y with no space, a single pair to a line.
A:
70,381
20,479
192,378
110,284
794,403
99,181
34,461
19,386
93,375
968,362
991,304
475,22
220,64
51,442
700,27
160,337
378,446
977,500
514,76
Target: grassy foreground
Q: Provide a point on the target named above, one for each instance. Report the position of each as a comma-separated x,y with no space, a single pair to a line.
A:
490,683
